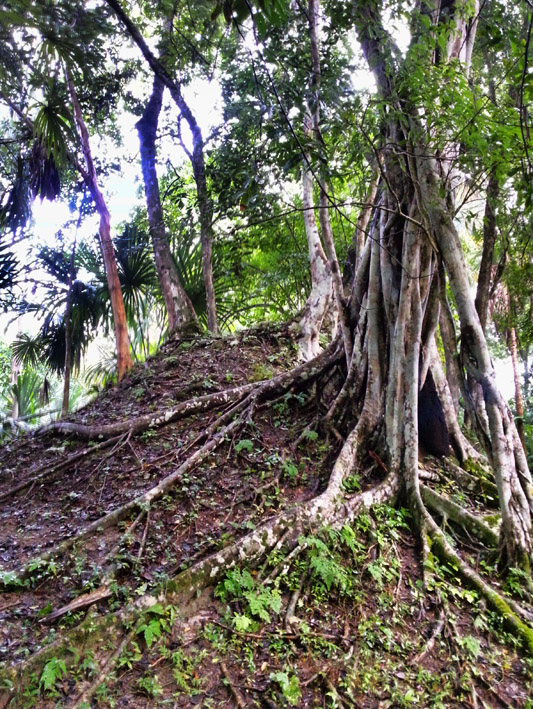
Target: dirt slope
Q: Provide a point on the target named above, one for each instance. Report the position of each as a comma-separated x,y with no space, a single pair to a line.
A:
347,623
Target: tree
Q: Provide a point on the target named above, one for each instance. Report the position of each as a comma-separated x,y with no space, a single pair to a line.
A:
379,388
197,158
66,39
179,307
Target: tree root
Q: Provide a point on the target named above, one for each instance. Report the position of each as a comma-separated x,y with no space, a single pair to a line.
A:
513,615
472,483
439,625
51,468
142,501
239,699
188,584
460,516
159,418
85,697
256,392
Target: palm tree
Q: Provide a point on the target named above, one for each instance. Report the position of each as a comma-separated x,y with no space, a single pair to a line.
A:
66,49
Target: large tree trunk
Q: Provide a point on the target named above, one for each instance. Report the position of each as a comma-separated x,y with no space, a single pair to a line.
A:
180,310
415,229
197,159
124,361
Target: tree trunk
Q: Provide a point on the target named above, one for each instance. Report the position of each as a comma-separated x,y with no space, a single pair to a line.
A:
519,402
68,336
197,159
179,308
205,208
124,361
417,222
484,280
319,298
321,267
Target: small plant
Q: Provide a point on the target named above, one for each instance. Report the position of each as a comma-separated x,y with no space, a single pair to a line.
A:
244,445
309,434
289,685
240,584
150,686
156,622
291,470
54,670
260,372
352,484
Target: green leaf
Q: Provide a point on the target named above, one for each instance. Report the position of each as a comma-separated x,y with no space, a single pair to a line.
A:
241,622
53,670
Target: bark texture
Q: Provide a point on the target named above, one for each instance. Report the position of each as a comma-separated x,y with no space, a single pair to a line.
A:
179,308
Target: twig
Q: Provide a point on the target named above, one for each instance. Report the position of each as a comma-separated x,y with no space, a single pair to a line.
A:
145,535
239,699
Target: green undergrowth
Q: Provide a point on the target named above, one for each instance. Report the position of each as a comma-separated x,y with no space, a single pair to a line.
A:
357,634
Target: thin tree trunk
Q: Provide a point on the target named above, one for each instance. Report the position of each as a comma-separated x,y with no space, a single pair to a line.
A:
487,256
197,160
179,308
319,299
68,336
124,361
205,209
519,402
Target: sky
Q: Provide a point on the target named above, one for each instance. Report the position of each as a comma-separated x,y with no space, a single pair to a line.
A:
123,190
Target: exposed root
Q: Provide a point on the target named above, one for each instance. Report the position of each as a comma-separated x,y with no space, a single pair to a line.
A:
473,483
142,501
159,418
290,615
51,468
513,615
206,572
85,697
459,515
437,630
239,699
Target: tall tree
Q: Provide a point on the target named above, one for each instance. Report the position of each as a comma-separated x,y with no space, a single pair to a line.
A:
180,310
197,157
412,230
64,39
124,360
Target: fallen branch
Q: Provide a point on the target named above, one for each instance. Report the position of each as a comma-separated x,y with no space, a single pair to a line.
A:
239,699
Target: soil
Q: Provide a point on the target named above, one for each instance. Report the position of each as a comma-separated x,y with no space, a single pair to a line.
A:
364,633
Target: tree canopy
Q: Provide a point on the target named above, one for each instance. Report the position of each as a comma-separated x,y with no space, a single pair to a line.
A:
366,181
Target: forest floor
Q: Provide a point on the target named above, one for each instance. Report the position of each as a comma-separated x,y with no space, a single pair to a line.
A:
347,624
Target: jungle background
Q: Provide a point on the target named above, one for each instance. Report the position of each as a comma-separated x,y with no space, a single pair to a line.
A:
254,450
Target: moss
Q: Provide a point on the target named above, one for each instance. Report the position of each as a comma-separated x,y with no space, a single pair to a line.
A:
509,617
474,468
88,635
